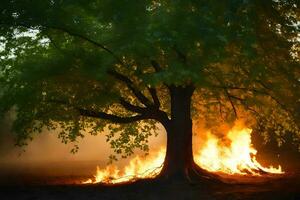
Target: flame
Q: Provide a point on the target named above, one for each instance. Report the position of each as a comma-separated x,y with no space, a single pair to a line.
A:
137,168
237,156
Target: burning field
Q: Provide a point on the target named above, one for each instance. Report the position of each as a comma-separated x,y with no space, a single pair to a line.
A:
232,155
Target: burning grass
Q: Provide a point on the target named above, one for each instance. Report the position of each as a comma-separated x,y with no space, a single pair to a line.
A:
236,156
138,168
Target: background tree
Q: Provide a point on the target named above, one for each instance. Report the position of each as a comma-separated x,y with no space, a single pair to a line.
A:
81,66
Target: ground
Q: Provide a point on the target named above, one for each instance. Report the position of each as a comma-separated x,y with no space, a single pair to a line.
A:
34,184
152,191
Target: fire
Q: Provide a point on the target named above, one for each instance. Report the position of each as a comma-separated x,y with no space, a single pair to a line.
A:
137,168
236,156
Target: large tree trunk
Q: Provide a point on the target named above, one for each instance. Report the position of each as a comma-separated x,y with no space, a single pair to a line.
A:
179,163
179,154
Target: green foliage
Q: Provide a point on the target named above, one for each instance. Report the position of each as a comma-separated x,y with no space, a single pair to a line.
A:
55,55
125,139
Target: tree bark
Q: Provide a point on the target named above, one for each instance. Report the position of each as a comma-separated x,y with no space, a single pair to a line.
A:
179,153
179,162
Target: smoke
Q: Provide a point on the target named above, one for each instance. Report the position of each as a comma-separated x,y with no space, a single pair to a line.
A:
47,150
46,159
46,147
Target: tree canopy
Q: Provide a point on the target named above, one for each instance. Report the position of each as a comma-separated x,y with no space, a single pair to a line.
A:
80,66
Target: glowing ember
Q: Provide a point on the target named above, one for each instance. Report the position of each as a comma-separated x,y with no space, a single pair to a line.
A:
236,156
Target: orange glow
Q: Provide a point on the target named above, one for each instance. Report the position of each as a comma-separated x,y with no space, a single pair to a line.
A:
236,156
137,168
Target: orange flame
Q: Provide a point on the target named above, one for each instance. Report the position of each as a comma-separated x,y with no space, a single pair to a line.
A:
236,157
137,168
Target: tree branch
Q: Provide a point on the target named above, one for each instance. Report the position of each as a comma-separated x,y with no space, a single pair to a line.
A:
141,97
119,76
110,117
231,102
154,96
144,113
95,43
272,97
71,33
240,88
226,92
158,68
103,115
131,107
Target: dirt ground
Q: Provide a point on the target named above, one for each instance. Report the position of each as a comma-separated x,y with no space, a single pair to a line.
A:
49,183
283,188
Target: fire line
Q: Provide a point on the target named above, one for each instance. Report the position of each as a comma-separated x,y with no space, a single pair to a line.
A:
238,156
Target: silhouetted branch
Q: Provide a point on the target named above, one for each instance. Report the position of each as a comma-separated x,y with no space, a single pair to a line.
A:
272,97
83,37
102,115
131,107
154,96
145,113
140,96
71,33
110,117
223,86
231,102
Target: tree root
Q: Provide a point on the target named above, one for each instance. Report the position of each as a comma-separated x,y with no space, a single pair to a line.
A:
192,175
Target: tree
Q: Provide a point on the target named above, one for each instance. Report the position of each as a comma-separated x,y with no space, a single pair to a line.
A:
80,66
